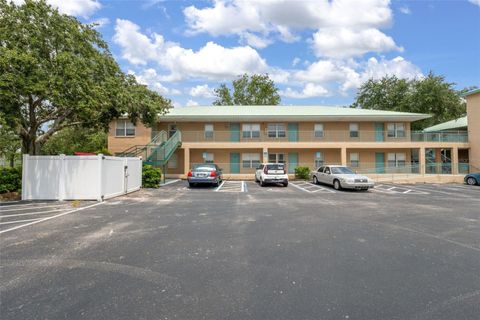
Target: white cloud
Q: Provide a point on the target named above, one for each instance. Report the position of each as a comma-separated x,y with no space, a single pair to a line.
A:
376,69
322,71
212,61
475,2
203,91
101,22
137,48
344,42
309,91
255,41
295,61
82,8
350,74
406,10
191,103
150,78
281,17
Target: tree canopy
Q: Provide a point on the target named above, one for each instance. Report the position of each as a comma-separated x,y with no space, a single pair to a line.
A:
73,139
9,143
431,95
257,89
56,72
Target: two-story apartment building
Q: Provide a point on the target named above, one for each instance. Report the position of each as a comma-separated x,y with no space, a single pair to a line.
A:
238,138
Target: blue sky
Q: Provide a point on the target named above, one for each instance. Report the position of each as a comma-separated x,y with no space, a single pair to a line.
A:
317,51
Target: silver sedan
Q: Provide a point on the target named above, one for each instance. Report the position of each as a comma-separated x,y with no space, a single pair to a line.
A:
341,177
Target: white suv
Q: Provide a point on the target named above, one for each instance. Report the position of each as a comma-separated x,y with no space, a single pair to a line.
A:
271,173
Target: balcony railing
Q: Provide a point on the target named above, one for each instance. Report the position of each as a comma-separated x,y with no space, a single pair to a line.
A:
451,136
249,167
325,136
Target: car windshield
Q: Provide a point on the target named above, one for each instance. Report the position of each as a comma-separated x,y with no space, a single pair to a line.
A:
204,167
275,167
342,170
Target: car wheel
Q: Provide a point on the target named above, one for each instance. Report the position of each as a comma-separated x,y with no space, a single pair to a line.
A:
256,180
262,184
315,180
191,184
471,181
215,184
337,185
285,184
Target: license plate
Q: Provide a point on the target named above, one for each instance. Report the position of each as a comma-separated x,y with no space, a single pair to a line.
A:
201,175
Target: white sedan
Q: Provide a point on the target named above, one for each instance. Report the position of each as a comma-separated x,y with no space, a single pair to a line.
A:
341,177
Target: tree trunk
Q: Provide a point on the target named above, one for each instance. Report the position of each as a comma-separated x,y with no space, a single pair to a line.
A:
12,160
29,144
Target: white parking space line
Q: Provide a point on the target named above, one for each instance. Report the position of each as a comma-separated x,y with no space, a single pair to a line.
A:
22,205
231,186
389,189
310,187
65,205
169,182
19,221
221,185
30,213
35,221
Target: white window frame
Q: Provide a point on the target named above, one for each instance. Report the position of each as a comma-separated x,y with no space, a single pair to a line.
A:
396,130
173,162
277,157
396,160
208,130
251,131
354,159
354,133
319,159
279,130
250,160
318,130
127,125
208,157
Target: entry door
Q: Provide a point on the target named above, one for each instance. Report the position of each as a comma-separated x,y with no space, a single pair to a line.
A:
446,161
172,128
379,132
379,162
235,132
293,132
292,162
234,162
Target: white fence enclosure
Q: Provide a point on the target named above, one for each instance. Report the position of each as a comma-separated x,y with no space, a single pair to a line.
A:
79,177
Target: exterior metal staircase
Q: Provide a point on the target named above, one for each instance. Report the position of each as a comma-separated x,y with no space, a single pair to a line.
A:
158,151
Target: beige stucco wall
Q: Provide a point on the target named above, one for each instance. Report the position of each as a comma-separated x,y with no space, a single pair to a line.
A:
473,113
119,144
333,131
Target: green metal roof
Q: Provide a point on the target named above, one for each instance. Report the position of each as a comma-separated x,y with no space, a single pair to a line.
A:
469,93
449,125
290,113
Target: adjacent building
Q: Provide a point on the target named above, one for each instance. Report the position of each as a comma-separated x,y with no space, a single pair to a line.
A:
238,138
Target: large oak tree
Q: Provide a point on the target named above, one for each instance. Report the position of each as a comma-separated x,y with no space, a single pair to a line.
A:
431,95
257,89
56,72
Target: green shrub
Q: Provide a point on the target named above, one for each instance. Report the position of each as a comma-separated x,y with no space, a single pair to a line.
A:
151,176
302,173
10,179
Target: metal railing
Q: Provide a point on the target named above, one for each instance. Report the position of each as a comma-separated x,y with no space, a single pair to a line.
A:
324,136
145,150
450,136
368,168
161,154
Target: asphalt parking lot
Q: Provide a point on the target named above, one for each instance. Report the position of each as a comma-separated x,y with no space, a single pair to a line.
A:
240,251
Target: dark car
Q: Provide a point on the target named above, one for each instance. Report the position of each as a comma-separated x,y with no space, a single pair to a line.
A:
205,173
472,179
